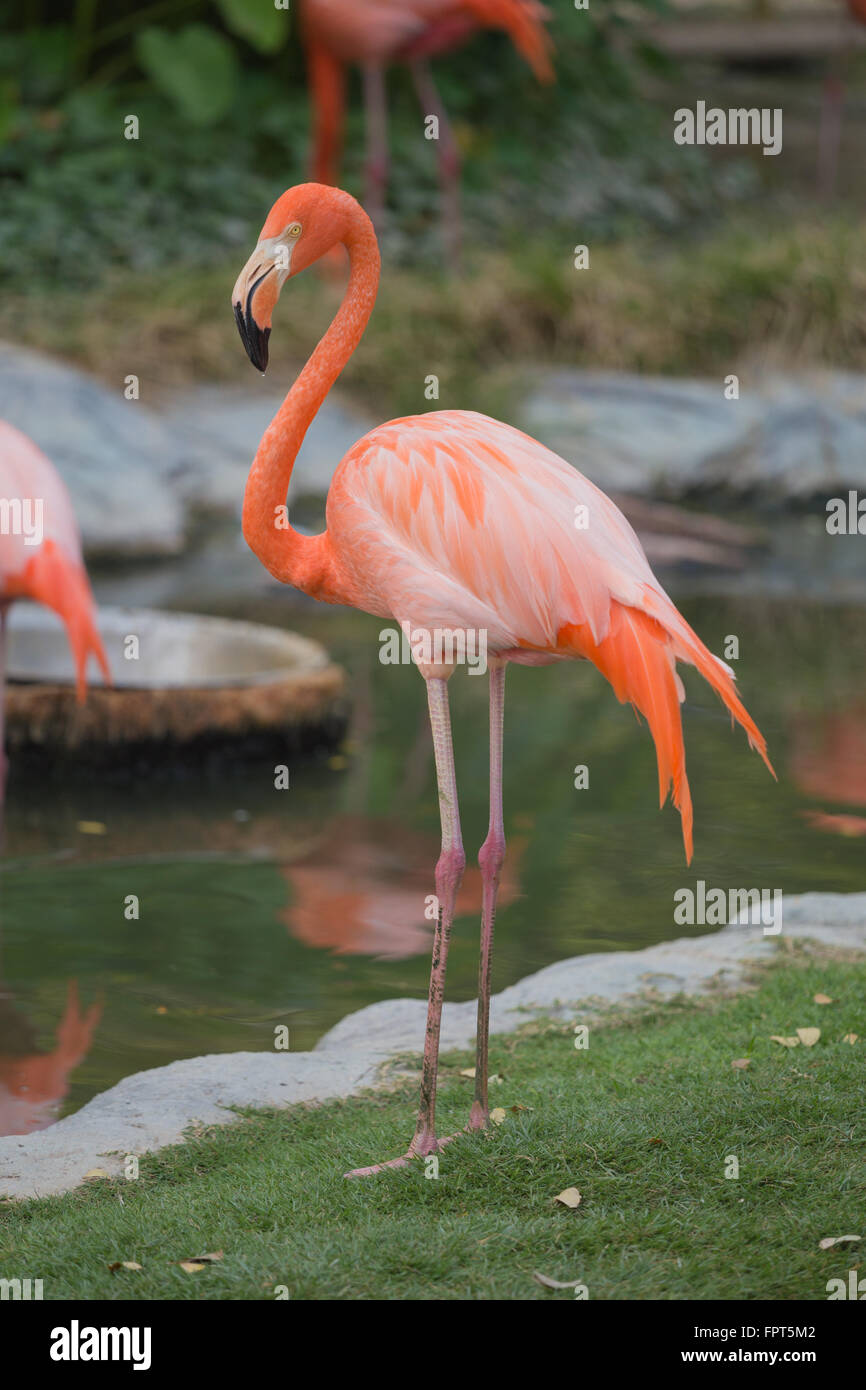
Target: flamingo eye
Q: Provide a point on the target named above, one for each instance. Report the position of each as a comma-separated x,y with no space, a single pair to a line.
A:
294,230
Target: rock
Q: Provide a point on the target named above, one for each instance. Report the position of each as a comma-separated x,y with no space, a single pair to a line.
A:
688,966
220,429
153,1108
787,438
115,456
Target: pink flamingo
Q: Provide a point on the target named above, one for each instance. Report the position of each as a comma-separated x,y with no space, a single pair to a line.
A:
40,557
453,521
376,33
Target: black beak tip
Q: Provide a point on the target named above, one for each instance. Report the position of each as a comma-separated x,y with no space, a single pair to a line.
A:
254,339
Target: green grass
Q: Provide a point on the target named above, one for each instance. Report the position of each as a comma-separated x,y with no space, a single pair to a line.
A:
641,1122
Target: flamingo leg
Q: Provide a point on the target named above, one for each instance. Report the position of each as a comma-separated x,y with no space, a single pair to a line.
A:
448,157
449,872
491,858
376,109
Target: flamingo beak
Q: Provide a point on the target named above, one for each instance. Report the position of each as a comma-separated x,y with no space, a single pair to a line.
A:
253,298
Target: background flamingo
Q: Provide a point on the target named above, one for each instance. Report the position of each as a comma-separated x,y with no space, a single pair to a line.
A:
51,572
375,33
451,520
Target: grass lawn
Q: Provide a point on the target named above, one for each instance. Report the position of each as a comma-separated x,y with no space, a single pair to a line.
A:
642,1122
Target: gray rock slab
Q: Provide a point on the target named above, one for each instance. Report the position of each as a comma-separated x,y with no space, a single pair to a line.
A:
220,427
689,965
115,456
151,1109
787,438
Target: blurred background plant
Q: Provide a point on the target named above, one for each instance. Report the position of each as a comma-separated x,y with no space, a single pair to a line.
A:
139,239
220,95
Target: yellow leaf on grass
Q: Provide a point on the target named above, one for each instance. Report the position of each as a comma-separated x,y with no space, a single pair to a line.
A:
808,1036
123,1264
468,1071
569,1198
740,1063
191,1266
91,827
821,999
208,1259
829,1241
785,1042
850,1038
497,1115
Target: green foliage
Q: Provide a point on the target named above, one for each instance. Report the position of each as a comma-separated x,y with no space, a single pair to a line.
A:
221,98
260,22
195,67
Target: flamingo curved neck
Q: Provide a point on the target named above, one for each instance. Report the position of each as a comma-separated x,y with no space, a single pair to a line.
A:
307,562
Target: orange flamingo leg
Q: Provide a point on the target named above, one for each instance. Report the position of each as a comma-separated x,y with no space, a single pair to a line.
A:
491,857
377,142
448,156
449,872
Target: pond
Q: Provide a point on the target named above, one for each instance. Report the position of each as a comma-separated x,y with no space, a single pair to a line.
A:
260,907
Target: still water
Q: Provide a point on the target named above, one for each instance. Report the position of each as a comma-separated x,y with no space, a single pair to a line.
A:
260,907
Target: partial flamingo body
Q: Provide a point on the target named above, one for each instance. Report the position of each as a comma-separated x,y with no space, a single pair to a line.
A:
45,565
377,33
453,521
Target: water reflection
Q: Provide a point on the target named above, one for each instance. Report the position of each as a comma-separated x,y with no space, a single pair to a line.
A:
364,888
33,1084
828,761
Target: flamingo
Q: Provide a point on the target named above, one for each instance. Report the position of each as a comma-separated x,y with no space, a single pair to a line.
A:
44,565
453,521
376,33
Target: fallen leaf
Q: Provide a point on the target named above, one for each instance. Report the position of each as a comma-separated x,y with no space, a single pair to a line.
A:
554,1283
569,1198
497,1115
92,827
808,1036
851,1038
740,1063
786,1042
515,1108
191,1266
161,1009
821,999
123,1264
208,1259
468,1071
829,1241
656,1141
97,1173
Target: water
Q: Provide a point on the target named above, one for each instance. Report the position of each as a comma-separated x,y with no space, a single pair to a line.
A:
260,908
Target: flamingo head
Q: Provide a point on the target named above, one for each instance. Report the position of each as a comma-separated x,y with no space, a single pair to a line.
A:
302,226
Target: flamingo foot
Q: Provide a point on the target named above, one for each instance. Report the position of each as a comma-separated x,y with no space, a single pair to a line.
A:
479,1117
421,1146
